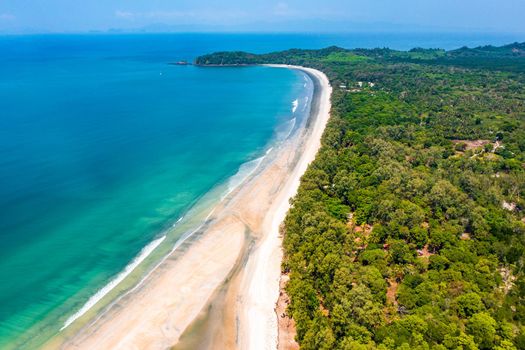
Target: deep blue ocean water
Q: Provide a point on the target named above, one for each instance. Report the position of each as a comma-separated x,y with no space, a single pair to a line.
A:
103,146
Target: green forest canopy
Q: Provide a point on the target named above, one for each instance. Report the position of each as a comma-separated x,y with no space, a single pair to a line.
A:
408,229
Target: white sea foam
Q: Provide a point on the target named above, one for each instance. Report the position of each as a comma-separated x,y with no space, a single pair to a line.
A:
295,105
245,171
286,129
305,104
114,282
177,244
179,220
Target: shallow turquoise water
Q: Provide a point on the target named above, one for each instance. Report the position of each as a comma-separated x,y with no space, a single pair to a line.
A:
103,146
99,154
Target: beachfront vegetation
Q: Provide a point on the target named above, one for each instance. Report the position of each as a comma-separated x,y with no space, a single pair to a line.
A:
408,229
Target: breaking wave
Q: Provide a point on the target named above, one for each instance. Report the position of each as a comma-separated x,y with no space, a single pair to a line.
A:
95,298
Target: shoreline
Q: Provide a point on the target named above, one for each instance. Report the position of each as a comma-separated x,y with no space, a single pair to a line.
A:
260,294
158,313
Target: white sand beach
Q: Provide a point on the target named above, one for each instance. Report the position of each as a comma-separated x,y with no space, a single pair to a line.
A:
155,315
260,283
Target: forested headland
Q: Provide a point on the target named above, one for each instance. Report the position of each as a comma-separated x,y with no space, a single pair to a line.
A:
408,229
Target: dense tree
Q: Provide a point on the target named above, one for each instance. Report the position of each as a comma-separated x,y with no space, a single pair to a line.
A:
408,229
483,328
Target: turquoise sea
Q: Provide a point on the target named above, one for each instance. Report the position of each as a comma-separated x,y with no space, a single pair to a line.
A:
104,147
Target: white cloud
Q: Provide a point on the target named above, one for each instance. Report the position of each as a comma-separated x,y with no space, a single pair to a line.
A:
7,17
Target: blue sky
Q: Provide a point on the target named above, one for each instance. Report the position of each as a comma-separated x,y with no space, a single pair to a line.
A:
261,15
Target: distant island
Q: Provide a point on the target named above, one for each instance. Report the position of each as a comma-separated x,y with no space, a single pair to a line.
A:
408,230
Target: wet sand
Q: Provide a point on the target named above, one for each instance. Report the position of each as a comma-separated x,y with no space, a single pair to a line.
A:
259,291
222,291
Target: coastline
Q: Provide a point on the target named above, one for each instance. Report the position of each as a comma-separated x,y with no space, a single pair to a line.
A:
260,286
238,242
